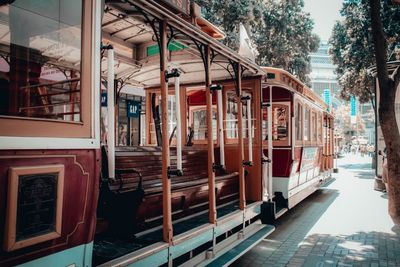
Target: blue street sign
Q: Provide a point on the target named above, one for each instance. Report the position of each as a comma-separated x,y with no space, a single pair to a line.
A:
353,106
104,99
134,108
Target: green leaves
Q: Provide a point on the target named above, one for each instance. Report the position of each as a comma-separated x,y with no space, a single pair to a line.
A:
352,46
281,30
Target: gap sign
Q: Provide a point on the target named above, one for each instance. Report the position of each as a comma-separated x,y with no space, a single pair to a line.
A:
134,108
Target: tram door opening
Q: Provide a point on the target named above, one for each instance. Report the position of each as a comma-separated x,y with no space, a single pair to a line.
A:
266,115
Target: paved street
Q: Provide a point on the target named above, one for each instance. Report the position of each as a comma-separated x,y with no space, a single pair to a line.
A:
344,224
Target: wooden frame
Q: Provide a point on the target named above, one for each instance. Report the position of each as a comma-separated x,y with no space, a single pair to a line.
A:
10,241
300,114
287,105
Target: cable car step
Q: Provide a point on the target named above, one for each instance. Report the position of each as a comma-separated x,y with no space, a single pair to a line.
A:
237,251
280,212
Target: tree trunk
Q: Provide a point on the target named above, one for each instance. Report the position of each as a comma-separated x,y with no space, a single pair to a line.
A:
387,115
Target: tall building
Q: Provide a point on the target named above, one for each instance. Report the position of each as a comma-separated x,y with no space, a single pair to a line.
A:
323,73
323,77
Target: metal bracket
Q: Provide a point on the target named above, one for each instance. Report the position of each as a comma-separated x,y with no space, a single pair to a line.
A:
263,105
172,74
106,47
216,167
266,161
215,87
245,98
171,173
247,163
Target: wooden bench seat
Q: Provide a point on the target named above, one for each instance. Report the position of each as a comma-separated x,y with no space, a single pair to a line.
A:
189,192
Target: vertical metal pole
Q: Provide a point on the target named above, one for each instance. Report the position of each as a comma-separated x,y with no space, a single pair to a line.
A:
242,191
178,124
221,129
270,146
110,114
210,142
249,131
166,183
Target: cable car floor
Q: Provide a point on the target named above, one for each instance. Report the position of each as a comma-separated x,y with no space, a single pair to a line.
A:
107,248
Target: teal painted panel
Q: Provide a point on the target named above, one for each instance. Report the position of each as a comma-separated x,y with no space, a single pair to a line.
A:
242,247
156,259
220,229
191,244
76,255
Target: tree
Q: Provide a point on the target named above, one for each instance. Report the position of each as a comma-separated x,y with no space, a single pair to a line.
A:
388,85
228,15
281,30
352,47
287,40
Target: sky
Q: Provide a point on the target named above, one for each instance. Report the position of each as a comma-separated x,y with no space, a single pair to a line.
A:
324,13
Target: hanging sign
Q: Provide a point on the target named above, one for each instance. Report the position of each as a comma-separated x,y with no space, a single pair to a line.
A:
134,108
104,99
327,97
353,109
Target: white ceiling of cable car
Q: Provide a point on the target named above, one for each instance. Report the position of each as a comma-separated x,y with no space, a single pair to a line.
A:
130,37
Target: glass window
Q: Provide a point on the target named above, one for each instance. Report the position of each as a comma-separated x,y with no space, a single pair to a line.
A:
199,123
40,59
313,126
299,122
319,127
306,124
232,116
280,118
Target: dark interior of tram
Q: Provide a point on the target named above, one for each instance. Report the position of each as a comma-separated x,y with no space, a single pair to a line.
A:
130,208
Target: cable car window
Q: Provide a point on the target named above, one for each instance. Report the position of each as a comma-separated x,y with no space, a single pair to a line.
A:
299,122
199,123
307,124
280,119
313,126
232,116
40,63
319,127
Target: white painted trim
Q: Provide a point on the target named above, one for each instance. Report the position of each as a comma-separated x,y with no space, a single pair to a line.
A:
8,143
96,58
178,124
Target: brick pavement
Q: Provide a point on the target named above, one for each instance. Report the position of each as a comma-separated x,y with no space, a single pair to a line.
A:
344,224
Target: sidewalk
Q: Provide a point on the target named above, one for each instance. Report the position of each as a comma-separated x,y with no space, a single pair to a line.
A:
344,224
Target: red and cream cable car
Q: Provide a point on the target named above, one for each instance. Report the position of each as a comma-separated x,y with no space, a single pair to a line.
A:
299,141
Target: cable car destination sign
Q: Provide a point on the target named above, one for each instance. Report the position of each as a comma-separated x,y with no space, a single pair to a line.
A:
182,6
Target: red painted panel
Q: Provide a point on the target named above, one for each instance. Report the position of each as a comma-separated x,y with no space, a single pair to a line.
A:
199,98
81,183
281,162
278,94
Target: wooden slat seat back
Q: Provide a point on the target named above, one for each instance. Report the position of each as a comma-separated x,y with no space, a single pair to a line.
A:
189,191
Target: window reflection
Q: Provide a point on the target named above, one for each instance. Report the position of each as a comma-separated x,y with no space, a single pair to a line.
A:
40,57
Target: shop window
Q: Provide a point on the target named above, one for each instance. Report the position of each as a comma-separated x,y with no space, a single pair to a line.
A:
307,124
129,122
40,65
